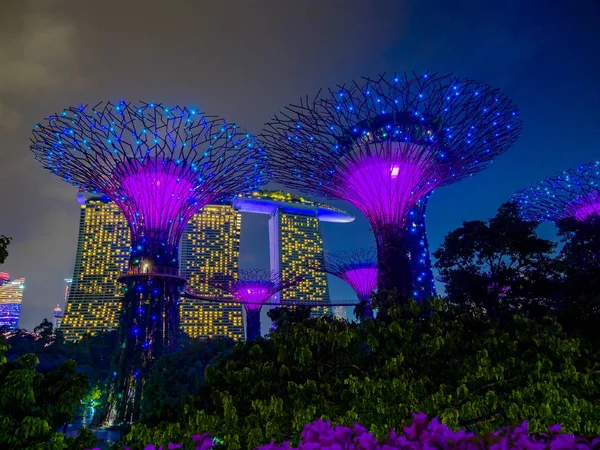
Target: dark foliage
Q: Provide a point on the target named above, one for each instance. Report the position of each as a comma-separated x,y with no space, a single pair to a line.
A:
175,377
500,266
34,405
471,370
4,241
579,266
283,316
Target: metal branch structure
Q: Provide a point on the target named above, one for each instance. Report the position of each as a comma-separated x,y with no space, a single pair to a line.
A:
384,143
358,268
573,193
159,165
253,288
423,283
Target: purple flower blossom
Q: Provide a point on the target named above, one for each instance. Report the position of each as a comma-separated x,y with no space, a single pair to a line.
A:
421,434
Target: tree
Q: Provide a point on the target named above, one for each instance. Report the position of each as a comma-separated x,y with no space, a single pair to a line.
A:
470,370
178,375
579,266
282,316
500,265
4,241
34,405
45,330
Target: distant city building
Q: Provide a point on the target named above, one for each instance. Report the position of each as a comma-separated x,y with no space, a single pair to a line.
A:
11,297
58,316
103,248
68,284
340,312
58,311
210,248
4,277
295,238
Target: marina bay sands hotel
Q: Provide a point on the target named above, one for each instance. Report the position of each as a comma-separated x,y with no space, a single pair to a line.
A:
209,247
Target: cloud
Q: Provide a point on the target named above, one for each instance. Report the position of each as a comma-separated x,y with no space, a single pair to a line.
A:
9,119
37,50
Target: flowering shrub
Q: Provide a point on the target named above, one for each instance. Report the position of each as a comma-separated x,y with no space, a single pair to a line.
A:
420,434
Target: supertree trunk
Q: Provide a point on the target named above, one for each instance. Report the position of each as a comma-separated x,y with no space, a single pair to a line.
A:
252,323
364,309
394,270
151,314
160,166
418,248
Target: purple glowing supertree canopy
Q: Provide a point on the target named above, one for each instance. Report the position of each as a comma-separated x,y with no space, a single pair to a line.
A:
159,165
382,144
358,268
571,194
252,289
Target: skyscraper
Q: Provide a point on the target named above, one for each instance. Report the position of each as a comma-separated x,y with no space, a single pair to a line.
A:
210,248
57,313
295,238
11,297
103,249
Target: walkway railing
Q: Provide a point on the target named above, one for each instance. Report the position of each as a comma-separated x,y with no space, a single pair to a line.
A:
151,270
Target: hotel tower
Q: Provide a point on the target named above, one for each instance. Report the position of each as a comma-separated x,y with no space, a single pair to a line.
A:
209,248
103,248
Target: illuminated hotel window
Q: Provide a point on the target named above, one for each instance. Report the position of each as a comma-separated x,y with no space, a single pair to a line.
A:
210,247
102,254
294,239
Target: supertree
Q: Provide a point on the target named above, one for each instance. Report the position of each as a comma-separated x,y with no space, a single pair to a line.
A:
423,282
571,194
159,165
382,144
358,268
252,288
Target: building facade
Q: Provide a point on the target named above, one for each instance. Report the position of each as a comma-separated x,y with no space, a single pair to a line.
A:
57,314
210,248
340,312
294,240
58,311
103,248
11,297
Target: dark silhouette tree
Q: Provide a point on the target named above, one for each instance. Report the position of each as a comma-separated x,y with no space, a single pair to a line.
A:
283,316
4,241
499,266
177,376
45,330
579,267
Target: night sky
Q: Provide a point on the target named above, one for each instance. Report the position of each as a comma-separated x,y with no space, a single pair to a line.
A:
244,60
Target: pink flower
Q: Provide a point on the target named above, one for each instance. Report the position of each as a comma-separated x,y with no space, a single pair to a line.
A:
359,429
365,441
202,441
417,426
274,446
342,435
555,428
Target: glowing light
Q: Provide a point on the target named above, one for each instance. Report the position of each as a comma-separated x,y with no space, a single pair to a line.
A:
363,280
572,193
158,181
384,187
406,136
